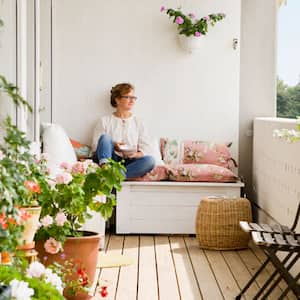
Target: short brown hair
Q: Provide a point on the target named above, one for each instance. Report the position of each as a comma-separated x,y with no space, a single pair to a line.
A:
119,90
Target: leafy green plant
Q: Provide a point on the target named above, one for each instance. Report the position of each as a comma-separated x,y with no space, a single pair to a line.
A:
72,194
19,172
31,282
188,25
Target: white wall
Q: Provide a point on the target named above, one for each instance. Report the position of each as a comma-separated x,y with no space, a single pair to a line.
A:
258,75
97,44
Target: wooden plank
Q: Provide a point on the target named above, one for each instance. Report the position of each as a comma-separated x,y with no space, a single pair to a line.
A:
111,275
147,281
240,272
253,264
223,274
188,285
127,287
93,289
204,274
167,281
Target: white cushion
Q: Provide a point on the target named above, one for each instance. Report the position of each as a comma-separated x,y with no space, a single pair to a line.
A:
155,152
57,145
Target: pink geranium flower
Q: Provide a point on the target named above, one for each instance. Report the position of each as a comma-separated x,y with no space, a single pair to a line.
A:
179,20
162,8
1,155
66,166
197,33
60,219
192,16
63,178
52,246
78,168
47,221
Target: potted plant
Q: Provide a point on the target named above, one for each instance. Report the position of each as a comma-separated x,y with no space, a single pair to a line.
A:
19,182
65,207
191,29
22,282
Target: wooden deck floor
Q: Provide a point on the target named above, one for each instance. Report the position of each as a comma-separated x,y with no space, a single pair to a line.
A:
174,267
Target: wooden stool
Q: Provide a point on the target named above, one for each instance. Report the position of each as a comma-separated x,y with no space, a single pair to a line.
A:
217,223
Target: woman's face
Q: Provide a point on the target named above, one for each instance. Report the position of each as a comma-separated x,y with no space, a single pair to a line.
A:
126,101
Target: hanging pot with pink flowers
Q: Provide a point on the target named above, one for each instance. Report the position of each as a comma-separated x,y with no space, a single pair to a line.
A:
191,29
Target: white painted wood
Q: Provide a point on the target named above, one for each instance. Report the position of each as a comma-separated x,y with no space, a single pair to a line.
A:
276,170
164,207
22,61
8,55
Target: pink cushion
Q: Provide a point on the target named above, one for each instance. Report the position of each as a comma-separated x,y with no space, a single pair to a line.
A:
201,172
158,173
197,152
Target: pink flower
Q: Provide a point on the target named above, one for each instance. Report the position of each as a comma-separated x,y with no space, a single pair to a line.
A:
35,269
47,221
197,33
162,8
66,166
192,16
179,20
51,183
78,167
52,246
60,219
63,178
1,155
207,18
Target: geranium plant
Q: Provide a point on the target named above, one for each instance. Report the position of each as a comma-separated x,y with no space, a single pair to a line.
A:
20,176
72,193
31,282
190,25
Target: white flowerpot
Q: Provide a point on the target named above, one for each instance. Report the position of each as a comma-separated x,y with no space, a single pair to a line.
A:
190,43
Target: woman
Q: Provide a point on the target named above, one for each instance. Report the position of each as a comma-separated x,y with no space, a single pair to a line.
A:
122,130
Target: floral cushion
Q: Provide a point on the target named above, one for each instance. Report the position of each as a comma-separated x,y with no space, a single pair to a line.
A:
171,150
197,152
157,174
201,172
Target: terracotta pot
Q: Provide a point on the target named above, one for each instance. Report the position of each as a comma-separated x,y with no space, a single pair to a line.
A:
83,249
30,227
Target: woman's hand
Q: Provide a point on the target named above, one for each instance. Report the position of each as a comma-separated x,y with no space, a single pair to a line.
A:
117,145
137,154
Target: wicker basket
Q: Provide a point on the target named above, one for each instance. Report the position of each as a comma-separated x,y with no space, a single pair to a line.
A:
217,223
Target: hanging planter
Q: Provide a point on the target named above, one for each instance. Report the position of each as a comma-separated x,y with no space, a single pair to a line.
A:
192,30
190,43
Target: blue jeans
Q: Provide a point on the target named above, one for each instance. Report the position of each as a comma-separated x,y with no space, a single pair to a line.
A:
135,167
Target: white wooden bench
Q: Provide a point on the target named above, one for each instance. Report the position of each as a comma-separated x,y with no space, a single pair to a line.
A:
165,207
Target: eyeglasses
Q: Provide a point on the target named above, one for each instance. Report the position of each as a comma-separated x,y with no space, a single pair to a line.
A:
129,97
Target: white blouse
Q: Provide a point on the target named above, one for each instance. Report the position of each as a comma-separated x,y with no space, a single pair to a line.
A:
130,131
